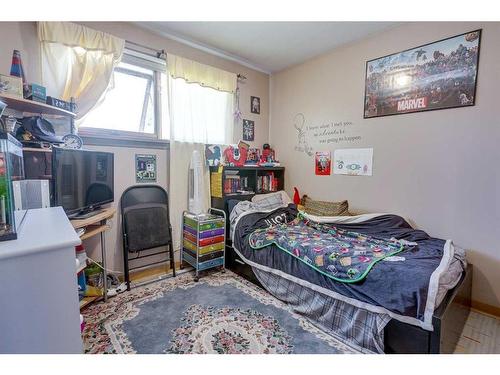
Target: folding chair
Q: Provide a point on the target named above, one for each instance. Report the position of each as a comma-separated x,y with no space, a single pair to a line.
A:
145,226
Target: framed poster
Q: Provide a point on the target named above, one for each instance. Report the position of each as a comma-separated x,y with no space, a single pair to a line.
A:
248,130
145,168
437,75
353,161
255,104
323,163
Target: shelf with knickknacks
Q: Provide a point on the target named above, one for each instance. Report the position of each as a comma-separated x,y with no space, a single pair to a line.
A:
23,100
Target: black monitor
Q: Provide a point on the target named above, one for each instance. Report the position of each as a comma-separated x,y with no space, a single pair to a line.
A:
83,180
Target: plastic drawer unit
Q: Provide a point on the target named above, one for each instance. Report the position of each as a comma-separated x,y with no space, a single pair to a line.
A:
204,240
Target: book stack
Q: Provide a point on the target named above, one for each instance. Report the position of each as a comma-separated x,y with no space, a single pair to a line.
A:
232,184
267,182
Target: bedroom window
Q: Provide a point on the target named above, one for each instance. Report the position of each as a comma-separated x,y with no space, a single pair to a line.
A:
199,114
132,106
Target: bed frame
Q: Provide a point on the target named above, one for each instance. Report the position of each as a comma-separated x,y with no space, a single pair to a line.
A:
402,338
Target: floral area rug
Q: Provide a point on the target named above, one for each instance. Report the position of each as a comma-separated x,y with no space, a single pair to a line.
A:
222,313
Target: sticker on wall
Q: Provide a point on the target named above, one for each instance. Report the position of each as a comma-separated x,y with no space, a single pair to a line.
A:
248,130
323,163
145,168
353,161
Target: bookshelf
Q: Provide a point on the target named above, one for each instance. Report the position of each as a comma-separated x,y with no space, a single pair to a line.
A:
252,181
242,183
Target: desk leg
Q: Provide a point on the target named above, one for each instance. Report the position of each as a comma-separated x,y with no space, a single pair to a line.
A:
105,273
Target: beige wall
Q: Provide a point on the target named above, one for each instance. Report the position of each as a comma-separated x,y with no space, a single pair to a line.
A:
439,169
22,36
124,178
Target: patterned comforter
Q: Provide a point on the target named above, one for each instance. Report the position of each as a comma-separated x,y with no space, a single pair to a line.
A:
341,255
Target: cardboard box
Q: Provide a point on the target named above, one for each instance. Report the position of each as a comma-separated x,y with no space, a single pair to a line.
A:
10,85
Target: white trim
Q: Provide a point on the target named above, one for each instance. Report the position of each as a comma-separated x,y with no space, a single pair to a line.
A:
203,47
433,282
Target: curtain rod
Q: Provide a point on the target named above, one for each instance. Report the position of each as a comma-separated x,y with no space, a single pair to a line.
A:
161,54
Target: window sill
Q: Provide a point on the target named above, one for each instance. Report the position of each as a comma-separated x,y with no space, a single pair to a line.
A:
138,142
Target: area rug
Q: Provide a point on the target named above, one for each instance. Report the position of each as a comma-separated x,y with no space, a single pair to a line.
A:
222,313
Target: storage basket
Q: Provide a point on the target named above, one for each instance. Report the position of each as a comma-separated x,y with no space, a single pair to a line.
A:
216,184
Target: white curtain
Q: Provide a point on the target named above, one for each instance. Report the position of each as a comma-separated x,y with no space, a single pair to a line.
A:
198,115
77,62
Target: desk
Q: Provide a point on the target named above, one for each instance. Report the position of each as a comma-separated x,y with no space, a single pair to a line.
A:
95,225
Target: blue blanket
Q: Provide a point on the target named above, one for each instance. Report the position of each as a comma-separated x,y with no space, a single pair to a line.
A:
400,286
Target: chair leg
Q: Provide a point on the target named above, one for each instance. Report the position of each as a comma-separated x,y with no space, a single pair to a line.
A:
126,269
172,260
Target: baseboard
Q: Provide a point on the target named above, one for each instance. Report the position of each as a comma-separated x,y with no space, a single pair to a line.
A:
486,308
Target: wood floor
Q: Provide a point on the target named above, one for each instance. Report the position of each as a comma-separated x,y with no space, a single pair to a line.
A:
481,335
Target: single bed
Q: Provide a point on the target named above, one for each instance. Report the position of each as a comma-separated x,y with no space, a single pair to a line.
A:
418,305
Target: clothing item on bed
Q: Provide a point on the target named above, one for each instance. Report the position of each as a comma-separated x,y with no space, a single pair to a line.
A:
237,207
405,290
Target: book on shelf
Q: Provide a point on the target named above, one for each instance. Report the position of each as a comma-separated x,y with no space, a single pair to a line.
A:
267,182
235,183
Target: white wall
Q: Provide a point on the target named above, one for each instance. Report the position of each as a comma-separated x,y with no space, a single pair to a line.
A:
439,169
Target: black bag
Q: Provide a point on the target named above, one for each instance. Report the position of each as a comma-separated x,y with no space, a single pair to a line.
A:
40,129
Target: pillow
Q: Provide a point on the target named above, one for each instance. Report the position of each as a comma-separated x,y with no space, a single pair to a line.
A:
324,208
270,202
284,197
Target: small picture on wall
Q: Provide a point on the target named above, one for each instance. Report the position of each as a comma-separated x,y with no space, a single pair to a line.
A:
323,163
255,105
437,75
145,168
248,130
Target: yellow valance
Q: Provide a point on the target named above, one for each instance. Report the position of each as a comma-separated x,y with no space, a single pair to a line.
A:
74,35
205,75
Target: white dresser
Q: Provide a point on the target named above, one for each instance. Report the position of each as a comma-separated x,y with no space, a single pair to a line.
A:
39,310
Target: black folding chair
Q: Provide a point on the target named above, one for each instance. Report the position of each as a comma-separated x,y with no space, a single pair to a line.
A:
145,225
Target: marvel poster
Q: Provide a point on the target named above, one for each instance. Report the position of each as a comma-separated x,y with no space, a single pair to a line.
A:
437,75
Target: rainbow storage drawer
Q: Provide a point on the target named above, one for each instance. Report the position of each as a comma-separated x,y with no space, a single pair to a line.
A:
204,240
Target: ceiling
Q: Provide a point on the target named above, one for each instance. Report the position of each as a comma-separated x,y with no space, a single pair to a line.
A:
266,46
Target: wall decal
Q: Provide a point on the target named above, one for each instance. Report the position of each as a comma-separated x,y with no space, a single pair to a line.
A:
299,122
323,163
437,75
248,130
353,161
311,137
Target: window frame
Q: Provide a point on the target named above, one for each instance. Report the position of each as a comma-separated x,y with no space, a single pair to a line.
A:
141,60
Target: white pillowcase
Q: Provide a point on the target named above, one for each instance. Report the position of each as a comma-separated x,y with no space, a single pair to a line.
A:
284,197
